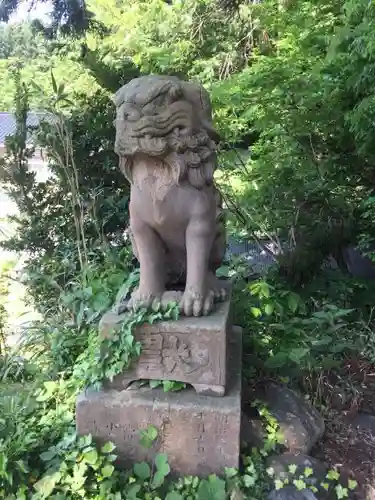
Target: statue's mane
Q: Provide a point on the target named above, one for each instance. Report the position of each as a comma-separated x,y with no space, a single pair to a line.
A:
169,119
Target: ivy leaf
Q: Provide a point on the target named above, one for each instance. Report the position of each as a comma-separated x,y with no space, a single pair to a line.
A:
308,472
46,485
352,484
279,484
108,447
212,488
107,470
142,470
148,436
131,494
158,479
270,471
231,472
341,492
299,484
163,469
248,481
173,495
155,383
333,475
292,468
91,456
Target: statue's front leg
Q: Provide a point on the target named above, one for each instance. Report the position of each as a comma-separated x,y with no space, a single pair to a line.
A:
198,299
151,256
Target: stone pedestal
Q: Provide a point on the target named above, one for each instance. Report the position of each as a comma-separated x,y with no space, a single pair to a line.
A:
190,350
200,434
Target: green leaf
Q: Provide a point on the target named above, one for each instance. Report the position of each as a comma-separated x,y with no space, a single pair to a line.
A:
54,84
292,468
148,436
173,386
161,462
341,492
333,475
91,456
248,481
279,484
152,432
270,471
131,493
163,469
142,470
155,383
298,353
173,496
256,312
308,472
269,309
158,479
108,448
231,472
352,484
23,467
223,271
107,470
46,485
60,90
299,484
265,290
279,360
212,488
293,301
48,455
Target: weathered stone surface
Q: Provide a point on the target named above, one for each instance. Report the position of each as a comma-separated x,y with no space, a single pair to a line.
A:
200,434
191,350
280,465
291,493
301,424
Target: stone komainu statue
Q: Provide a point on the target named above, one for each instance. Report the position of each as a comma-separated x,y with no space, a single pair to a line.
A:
166,143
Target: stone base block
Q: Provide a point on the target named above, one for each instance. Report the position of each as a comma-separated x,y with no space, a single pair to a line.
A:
190,350
200,434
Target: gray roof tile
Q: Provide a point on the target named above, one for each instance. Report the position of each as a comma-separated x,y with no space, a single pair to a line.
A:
8,123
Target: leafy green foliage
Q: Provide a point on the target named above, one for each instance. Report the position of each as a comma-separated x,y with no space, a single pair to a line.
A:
294,332
292,80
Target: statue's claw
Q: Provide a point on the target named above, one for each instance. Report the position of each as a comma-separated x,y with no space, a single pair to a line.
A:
216,287
196,304
140,300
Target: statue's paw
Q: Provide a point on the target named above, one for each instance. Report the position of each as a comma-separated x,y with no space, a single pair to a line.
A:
196,304
140,300
216,287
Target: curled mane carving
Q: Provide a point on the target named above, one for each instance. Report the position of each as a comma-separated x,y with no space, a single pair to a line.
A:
170,119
